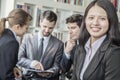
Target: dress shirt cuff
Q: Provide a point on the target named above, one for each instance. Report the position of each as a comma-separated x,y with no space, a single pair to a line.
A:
67,55
33,63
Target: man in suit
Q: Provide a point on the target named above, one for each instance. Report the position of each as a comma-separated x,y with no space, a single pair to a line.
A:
19,21
49,59
73,23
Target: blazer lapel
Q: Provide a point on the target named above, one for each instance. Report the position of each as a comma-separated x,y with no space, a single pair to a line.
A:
80,60
35,46
96,59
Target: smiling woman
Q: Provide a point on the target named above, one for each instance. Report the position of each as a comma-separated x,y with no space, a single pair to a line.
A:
98,55
97,23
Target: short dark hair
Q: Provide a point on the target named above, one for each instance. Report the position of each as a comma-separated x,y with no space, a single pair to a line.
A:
49,15
77,18
113,32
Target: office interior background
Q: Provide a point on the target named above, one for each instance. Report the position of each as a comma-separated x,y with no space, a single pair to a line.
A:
63,9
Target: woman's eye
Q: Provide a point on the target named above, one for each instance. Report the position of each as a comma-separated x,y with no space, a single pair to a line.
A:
90,18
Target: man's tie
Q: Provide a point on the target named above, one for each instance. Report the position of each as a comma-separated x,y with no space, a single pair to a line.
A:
40,51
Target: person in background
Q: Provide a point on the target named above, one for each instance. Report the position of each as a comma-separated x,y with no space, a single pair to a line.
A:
98,55
73,23
46,57
18,21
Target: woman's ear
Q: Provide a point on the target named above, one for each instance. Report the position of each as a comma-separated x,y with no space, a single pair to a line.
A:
18,26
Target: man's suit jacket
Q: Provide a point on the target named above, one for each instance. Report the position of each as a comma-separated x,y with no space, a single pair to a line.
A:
8,55
105,64
66,63
52,55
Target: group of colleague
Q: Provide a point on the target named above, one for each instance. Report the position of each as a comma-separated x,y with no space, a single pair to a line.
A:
93,49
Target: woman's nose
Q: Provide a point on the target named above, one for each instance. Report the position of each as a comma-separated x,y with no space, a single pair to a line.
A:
95,21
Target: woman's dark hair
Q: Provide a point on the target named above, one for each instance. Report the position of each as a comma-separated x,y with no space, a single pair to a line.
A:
49,15
113,31
77,18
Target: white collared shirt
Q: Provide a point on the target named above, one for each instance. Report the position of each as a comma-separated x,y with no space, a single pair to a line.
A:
90,52
45,42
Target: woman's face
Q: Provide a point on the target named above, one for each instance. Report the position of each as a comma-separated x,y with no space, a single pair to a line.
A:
96,22
21,30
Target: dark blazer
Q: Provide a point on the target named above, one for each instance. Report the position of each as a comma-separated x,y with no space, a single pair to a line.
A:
66,63
8,55
52,55
105,65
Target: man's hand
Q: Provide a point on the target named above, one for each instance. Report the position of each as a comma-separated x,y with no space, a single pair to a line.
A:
38,65
69,46
43,74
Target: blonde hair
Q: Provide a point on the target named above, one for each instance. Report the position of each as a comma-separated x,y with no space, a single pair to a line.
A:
16,16
2,25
